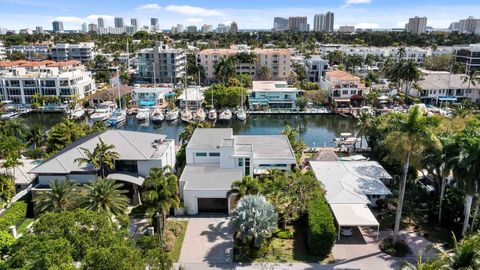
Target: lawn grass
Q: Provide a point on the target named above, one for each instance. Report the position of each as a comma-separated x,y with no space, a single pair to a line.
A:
175,253
288,250
23,226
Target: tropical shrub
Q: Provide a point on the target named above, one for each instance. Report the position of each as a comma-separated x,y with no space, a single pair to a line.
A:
320,227
6,241
14,215
169,241
396,249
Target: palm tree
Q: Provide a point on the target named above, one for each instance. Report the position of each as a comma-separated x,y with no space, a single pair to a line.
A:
254,217
472,79
60,197
190,128
336,57
161,191
407,135
466,254
364,121
105,195
225,68
14,127
263,73
410,74
247,186
35,136
354,61
466,165
102,158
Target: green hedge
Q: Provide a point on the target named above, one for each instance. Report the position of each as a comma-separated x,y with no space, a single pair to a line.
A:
14,215
321,233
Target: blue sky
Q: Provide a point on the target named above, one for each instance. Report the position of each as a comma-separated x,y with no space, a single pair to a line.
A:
250,14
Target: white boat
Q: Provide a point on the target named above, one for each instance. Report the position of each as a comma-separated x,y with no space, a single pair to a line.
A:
200,115
10,115
241,114
171,115
158,116
143,114
101,114
118,117
226,115
77,113
212,114
186,115
346,139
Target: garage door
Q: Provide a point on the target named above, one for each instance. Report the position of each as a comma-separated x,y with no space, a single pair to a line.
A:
212,205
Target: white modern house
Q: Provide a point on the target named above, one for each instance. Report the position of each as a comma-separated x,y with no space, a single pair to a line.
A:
83,51
215,158
138,151
272,95
150,96
351,186
193,97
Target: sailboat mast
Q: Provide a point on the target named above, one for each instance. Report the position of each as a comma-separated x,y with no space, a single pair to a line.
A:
118,90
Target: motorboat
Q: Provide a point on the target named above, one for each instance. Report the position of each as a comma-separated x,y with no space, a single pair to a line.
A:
367,110
143,114
77,113
241,114
226,115
346,139
157,116
10,115
200,115
118,117
212,115
101,114
171,115
186,115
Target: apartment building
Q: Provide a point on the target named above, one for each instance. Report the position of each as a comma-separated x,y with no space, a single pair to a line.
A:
416,25
343,87
469,25
3,52
215,158
346,29
31,52
469,55
82,51
20,80
207,28
57,27
276,60
280,24
324,22
167,65
316,68
298,24
445,87
272,95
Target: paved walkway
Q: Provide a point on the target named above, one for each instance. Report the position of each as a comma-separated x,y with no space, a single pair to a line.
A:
208,241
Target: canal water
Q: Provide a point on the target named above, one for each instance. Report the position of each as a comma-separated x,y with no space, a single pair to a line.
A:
315,130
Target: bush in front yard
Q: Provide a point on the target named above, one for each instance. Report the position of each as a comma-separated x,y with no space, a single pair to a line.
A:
14,215
399,249
320,227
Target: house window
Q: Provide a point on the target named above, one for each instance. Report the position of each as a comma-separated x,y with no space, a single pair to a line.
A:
200,154
240,162
214,154
345,92
247,166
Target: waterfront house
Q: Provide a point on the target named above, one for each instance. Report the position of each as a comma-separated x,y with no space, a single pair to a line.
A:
439,87
150,96
344,87
193,96
350,186
215,158
272,95
138,151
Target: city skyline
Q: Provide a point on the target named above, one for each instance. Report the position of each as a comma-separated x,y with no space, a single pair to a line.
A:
17,14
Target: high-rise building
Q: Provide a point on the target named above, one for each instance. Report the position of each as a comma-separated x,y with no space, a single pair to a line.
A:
207,28
454,26
234,27
119,22
329,21
346,29
134,23
280,24
92,27
324,22
222,28
39,30
3,53
84,27
57,26
416,25
101,22
178,28
191,29
297,24
154,24
468,25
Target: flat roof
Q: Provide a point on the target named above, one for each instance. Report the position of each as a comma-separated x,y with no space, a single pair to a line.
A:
353,215
130,145
209,177
272,86
349,182
209,137
267,146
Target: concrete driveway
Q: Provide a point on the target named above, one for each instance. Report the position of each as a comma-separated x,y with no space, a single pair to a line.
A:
207,240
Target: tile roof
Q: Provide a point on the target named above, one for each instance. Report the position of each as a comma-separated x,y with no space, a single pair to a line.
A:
341,75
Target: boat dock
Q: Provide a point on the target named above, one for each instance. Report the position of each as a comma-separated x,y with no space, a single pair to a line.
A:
290,112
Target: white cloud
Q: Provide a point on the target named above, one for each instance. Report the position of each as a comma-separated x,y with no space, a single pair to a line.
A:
68,19
353,2
367,25
148,7
194,20
194,11
401,24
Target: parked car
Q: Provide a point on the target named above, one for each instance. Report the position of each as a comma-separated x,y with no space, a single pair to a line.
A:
346,231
